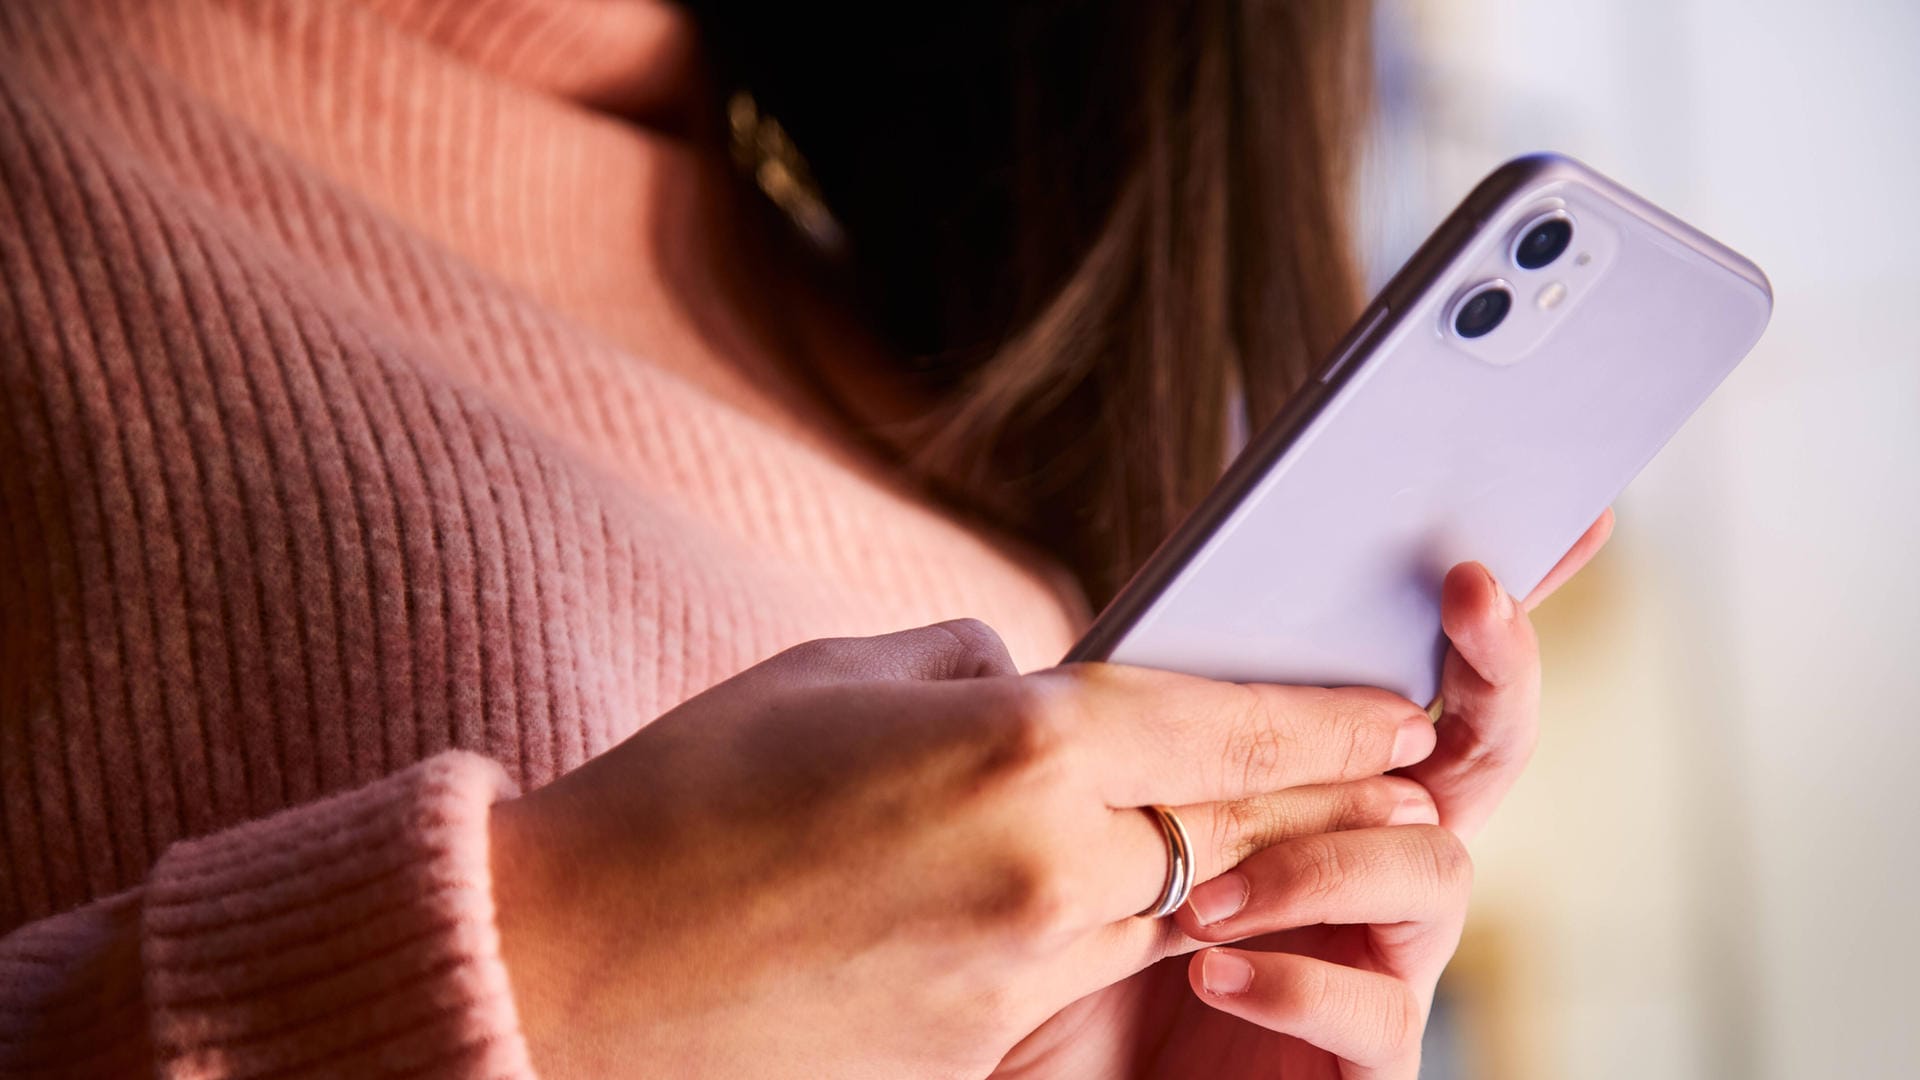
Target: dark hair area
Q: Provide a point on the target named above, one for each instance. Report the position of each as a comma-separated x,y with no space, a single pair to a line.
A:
1095,230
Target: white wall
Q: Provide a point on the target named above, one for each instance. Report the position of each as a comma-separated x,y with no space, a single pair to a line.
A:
1714,869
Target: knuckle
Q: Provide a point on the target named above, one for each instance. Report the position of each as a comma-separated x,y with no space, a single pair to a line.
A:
1314,869
1026,732
1401,1023
1259,746
819,654
1032,902
1444,859
1244,826
971,632
1383,1017
977,646
1366,726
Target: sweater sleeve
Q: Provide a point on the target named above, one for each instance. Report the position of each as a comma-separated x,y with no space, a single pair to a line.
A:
351,936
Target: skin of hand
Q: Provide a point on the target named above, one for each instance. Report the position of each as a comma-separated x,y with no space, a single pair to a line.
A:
895,856
1340,936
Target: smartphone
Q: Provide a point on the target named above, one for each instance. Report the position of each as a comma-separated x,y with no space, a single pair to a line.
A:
1529,360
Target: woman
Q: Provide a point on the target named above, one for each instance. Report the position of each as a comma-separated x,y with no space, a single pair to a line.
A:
405,401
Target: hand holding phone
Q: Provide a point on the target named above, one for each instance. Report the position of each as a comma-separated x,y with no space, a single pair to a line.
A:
1530,359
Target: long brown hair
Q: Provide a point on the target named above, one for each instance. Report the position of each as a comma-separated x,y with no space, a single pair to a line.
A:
1100,229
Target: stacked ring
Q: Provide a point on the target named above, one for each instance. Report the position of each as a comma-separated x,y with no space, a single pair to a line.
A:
1179,864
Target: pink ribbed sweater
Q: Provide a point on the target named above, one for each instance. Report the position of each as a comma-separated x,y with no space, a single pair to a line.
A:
369,449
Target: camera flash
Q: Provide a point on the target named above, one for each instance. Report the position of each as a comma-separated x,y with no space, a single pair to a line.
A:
1550,296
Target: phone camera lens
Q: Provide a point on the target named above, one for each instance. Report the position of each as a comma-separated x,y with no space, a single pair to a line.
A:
1482,310
1543,241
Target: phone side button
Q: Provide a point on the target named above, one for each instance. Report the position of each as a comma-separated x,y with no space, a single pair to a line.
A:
1354,344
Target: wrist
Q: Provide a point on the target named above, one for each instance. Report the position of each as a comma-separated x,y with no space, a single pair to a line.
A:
532,947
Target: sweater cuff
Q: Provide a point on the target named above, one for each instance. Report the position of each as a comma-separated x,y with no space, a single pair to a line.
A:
352,936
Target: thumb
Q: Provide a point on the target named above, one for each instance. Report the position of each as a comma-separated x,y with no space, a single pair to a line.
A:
956,649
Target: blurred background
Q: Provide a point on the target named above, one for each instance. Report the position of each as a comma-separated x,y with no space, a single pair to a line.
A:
1713,868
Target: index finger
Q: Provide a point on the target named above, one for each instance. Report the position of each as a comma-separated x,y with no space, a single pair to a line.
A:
1158,737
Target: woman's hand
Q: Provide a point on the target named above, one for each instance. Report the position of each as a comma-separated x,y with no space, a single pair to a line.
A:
1343,934
895,856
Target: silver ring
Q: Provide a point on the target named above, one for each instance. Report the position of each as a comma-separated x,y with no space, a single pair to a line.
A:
1179,864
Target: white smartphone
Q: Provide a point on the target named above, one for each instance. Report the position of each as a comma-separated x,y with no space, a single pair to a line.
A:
1530,359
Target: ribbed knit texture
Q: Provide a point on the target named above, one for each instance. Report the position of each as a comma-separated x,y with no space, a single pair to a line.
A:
367,451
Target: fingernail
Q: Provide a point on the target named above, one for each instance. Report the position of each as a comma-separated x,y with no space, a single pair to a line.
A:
1218,899
1502,603
1413,742
1413,811
1223,972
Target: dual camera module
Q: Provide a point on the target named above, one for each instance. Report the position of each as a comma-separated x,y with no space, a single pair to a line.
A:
1543,240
